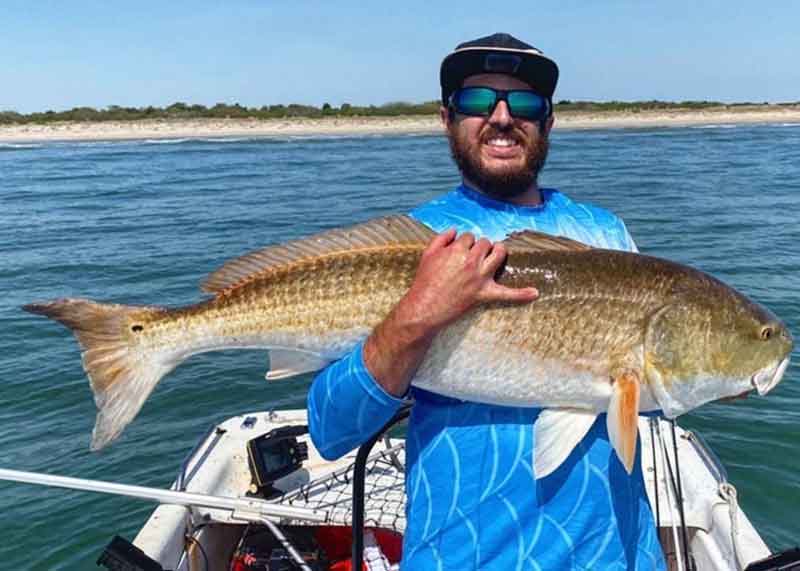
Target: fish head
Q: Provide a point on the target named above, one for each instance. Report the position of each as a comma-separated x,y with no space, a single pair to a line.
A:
712,343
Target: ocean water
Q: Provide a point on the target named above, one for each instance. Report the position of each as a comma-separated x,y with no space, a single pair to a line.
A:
145,221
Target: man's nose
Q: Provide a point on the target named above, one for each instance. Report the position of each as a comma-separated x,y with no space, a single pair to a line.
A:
501,116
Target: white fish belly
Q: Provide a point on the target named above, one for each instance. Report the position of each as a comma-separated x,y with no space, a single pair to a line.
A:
329,345
484,370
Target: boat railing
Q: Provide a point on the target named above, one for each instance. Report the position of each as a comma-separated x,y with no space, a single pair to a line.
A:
183,475
359,478
707,455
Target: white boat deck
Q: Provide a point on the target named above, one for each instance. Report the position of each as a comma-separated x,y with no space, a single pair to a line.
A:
709,501
720,536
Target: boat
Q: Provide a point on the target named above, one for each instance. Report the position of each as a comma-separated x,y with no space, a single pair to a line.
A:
699,521
254,494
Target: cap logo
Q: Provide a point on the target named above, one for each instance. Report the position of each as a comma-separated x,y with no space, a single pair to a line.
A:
501,63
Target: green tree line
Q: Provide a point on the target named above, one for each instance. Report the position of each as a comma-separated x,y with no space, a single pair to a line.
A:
566,105
219,111
235,111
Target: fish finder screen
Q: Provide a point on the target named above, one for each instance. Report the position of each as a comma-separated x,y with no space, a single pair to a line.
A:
275,455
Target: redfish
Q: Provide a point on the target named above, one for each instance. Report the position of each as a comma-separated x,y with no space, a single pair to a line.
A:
611,331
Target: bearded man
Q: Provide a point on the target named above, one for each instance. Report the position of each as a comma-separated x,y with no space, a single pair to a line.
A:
472,499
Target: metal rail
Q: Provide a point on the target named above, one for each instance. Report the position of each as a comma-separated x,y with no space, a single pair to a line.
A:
359,475
183,478
240,506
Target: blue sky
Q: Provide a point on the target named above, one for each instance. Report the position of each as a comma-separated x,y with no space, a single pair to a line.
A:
56,55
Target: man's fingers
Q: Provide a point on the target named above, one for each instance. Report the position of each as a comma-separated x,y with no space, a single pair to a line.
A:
467,239
480,250
494,260
497,292
441,240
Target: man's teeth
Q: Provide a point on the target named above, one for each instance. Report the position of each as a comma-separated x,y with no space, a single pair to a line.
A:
501,142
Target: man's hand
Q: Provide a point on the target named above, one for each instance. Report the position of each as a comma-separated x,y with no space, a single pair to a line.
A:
454,275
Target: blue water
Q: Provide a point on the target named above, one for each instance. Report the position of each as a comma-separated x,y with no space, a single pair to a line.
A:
145,221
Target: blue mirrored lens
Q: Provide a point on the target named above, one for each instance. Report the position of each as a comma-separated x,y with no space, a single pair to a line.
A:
526,104
481,101
475,100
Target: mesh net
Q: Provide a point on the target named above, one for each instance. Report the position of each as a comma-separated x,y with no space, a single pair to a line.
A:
384,493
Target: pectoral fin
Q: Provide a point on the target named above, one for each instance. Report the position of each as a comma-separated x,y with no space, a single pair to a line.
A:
623,417
555,434
284,363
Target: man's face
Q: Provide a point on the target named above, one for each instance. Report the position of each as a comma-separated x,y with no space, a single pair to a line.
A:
499,154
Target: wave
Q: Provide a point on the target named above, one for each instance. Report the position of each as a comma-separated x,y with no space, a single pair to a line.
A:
200,140
166,141
104,143
228,139
337,136
14,146
716,126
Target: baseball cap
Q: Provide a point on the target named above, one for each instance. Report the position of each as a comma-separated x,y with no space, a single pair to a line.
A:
498,53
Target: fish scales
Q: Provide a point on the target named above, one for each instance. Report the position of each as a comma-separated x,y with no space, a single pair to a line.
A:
587,304
563,346
302,302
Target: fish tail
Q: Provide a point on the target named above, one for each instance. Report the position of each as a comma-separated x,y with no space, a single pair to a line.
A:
122,372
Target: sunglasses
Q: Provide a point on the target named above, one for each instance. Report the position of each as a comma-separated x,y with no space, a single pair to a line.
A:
481,101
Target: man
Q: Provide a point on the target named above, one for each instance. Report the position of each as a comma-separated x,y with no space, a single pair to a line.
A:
473,502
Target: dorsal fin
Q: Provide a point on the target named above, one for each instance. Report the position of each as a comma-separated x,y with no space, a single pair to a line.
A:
390,230
529,240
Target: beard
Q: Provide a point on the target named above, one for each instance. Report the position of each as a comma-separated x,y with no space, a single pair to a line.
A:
502,183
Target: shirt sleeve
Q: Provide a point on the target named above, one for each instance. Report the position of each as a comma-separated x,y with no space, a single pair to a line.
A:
346,406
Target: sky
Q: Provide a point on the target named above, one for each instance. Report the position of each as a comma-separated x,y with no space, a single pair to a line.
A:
59,55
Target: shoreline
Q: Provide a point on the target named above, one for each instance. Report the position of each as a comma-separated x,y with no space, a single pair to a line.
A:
344,126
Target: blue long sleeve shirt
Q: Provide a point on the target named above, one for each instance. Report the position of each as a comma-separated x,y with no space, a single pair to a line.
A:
472,500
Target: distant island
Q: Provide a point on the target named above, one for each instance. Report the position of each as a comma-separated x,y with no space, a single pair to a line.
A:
183,120
183,111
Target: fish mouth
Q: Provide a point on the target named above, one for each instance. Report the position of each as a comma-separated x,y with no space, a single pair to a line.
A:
766,379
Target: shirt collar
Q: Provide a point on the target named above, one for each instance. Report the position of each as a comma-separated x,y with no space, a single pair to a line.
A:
494,204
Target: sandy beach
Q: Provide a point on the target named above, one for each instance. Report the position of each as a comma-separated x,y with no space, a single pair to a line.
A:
203,128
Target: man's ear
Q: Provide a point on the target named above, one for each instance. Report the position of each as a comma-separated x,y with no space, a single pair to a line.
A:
548,124
445,115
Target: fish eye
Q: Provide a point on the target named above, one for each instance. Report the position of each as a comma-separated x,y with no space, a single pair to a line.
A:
766,333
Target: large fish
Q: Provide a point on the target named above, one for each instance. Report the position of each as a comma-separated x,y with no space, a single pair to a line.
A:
611,331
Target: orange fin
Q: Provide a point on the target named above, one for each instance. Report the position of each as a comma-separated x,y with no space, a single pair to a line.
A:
623,417
121,373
